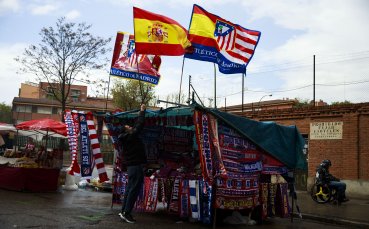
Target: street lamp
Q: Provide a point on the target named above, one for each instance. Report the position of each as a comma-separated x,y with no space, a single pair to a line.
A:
262,98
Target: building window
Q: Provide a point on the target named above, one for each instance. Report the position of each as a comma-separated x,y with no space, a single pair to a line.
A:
44,110
23,108
74,95
75,99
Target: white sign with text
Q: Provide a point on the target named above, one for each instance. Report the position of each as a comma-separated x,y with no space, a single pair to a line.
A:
326,130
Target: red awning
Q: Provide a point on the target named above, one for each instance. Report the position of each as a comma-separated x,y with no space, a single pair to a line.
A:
45,124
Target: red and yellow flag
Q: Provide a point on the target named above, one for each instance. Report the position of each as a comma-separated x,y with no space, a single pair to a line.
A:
158,35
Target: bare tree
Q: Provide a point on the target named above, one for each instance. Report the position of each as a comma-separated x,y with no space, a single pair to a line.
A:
66,53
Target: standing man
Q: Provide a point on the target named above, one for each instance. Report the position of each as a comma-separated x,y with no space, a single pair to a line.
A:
134,157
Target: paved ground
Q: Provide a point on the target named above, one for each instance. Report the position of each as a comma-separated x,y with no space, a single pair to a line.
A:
92,209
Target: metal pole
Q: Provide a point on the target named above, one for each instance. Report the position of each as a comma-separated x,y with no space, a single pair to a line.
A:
215,86
189,88
107,95
225,104
243,81
180,85
314,80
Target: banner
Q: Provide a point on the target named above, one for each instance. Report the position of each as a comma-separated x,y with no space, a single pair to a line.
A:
158,35
127,64
216,40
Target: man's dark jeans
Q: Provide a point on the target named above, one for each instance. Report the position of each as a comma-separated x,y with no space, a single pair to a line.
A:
135,180
340,187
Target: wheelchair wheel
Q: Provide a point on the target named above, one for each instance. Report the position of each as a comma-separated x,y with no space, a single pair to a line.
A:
320,194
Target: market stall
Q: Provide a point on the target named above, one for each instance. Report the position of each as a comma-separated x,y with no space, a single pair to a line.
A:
204,159
34,167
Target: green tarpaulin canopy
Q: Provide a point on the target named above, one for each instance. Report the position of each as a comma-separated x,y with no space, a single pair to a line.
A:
285,143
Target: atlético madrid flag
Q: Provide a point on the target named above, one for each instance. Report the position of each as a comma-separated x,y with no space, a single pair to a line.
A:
127,64
158,35
216,40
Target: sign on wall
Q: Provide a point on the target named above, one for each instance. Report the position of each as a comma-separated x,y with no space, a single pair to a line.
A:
326,130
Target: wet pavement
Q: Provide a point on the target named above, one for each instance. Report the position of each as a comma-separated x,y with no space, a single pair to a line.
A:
354,213
86,208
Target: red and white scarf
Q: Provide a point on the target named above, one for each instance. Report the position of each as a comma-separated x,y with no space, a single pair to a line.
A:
95,145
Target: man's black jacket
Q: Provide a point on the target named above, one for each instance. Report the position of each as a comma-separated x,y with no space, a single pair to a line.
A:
323,176
133,149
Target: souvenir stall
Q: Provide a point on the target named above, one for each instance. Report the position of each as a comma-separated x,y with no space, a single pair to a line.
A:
204,159
33,168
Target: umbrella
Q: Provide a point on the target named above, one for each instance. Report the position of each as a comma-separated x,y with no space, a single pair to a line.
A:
51,127
46,124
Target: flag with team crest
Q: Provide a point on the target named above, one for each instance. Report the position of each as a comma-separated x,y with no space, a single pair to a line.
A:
216,40
126,63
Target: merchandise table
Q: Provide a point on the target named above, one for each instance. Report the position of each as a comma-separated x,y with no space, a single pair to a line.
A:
29,179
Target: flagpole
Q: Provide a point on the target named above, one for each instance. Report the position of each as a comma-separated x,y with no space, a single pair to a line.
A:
180,85
139,81
243,82
107,95
215,87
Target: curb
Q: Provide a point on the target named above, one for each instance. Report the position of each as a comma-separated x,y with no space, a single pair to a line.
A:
333,220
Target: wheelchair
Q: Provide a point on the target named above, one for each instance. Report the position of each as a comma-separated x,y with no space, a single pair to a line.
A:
323,193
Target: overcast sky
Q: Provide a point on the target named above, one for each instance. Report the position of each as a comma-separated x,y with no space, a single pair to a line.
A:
292,31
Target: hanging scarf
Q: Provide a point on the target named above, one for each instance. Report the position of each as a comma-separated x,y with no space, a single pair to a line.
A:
174,200
72,141
264,200
203,142
272,199
95,144
282,200
184,198
193,199
151,195
205,200
86,159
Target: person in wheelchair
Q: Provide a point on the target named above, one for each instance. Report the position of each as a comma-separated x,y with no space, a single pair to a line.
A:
324,178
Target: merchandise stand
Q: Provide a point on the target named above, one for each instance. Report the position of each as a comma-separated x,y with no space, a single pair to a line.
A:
203,159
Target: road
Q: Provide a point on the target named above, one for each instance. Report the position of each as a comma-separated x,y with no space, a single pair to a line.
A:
92,209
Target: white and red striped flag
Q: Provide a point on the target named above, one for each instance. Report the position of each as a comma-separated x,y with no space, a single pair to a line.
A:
234,42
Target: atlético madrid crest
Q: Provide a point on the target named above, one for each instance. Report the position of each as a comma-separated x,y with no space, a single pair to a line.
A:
225,35
157,33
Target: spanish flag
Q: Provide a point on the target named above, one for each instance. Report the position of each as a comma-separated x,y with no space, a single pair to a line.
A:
158,35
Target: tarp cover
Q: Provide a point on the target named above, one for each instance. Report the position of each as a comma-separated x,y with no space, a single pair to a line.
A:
283,142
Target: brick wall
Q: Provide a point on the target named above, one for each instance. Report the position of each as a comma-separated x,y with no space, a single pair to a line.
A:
349,155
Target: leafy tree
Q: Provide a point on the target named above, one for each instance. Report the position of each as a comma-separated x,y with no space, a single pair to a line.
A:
130,94
66,53
346,102
5,113
301,103
173,98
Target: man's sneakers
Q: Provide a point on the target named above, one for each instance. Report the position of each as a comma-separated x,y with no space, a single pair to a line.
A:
127,217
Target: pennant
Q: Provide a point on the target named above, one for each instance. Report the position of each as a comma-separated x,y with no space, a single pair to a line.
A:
158,35
216,40
127,64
